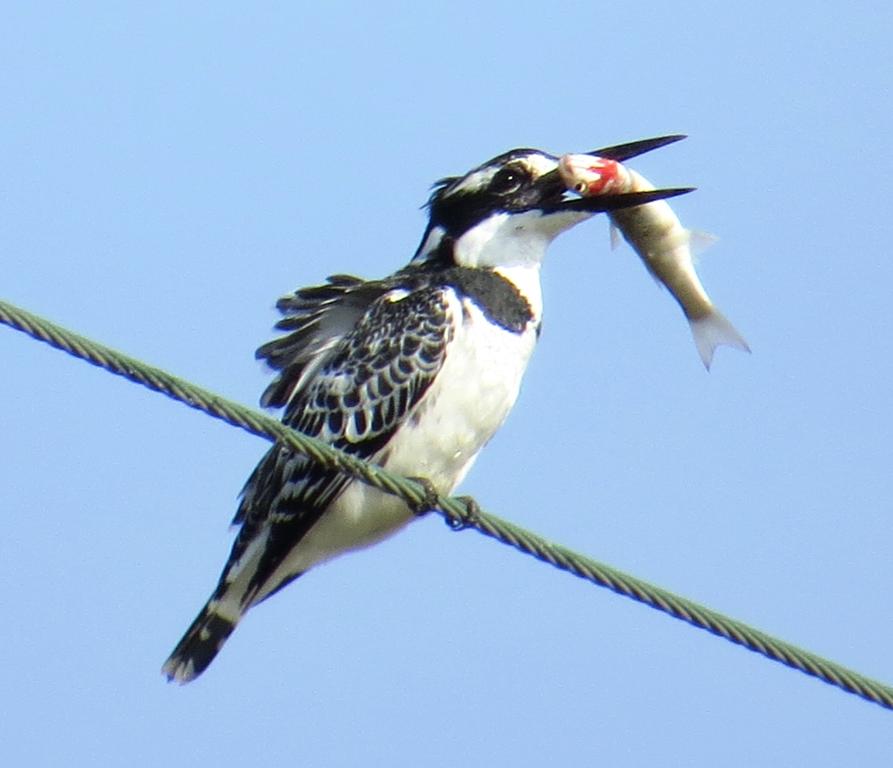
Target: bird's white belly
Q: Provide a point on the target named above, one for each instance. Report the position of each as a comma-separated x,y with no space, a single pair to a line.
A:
465,405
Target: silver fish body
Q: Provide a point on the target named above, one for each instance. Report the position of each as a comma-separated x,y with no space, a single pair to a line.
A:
664,245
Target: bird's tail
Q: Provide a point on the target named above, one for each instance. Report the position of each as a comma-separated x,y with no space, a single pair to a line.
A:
202,641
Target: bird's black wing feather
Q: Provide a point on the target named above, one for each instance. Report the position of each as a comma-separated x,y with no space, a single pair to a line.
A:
370,380
316,319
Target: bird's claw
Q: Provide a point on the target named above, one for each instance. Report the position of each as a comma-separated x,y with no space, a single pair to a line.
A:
431,499
468,518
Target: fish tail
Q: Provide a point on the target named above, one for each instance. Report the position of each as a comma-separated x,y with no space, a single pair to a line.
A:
714,330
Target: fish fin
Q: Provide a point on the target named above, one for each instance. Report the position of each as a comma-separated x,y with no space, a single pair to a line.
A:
699,241
616,236
712,331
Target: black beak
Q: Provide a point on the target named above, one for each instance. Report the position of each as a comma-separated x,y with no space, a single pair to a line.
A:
622,152
602,203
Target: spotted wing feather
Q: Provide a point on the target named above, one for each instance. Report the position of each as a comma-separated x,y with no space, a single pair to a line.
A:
369,383
316,319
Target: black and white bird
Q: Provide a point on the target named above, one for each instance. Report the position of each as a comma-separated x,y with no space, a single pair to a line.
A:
414,372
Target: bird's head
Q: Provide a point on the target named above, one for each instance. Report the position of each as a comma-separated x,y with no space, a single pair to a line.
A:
506,211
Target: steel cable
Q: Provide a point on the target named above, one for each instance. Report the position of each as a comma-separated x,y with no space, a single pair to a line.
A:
458,513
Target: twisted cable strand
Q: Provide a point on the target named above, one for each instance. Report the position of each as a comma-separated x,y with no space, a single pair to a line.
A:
456,512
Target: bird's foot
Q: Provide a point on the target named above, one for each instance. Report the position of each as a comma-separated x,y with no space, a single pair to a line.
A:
431,499
468,518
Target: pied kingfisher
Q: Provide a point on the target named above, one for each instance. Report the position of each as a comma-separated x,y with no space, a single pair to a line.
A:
414,372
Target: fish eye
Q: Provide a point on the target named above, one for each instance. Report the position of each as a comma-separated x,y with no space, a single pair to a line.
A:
509,179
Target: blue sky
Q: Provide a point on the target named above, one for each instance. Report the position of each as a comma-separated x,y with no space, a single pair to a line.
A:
167,173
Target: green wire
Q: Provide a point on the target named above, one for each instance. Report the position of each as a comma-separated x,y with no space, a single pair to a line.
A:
457,512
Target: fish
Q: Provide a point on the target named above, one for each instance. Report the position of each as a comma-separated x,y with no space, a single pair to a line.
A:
662,243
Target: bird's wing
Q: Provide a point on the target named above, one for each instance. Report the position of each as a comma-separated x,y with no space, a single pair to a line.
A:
355,399
317,318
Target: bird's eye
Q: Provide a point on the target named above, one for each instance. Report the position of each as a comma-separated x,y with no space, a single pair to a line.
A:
509,179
